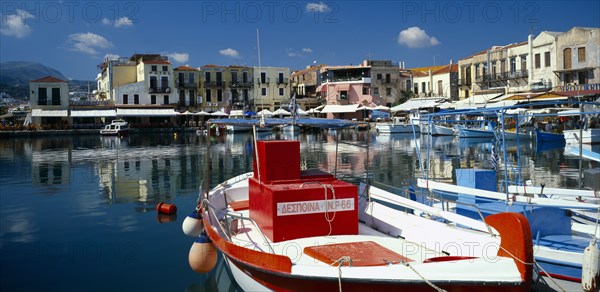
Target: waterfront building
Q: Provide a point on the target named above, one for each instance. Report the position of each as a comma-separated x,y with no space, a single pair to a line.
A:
435,81
305,83
385,81
187,83
141,88
49,99
271,88
240,85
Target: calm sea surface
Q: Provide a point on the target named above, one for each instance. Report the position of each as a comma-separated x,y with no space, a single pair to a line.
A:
78,213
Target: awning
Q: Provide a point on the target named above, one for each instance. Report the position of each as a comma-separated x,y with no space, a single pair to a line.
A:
93,113
476,101
155,112
49,113
336,108
417,103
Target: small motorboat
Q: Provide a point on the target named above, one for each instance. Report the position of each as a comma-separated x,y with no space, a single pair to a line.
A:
116,127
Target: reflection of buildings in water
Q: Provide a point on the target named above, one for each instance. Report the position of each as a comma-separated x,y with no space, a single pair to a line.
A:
121,188
50,168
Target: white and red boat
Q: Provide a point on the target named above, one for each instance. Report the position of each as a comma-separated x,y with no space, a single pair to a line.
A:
280,228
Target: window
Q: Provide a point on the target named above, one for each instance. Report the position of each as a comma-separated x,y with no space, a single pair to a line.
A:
494,68
582,77
125,99
523,63
365,90
280,91
376,91
234,76
280,78
164,83
567,58
245,95
387,78
344,94
153,83
388,91
513,65
165,68
180,79
440,88
477,73
219,78
263,77
208,95
547,59
416,90
55,96
537,61
166,99
136,99
219,95
245,77
42,96
207,77
191,78
263,91
153,68
581,55
424,87
153,99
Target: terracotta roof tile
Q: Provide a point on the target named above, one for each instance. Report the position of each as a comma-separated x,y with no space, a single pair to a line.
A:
49,79
185,68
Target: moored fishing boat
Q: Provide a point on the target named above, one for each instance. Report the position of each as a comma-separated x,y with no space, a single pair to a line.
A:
281,228
116,127
548,137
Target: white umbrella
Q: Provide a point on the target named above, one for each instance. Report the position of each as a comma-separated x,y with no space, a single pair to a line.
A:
202,113
185,113
301,112
362,107
219,113
281,112
381,108
264,112
313,111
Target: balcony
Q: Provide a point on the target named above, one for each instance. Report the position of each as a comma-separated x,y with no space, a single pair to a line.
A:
264,81
159,90
190,85
517,74
464,82
209,84
219,83
283,80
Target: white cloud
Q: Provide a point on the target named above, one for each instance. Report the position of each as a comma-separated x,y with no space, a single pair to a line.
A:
307,50
415,37
317,7
14,24
294,54
110,57
123,21
229,52
179,57
88,43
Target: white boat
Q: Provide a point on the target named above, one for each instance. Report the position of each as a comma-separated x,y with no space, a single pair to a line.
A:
511,134
485,131
280,228
116,127
398,125
439,130
589,136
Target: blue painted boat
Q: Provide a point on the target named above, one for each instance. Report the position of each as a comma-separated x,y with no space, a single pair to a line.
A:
542,136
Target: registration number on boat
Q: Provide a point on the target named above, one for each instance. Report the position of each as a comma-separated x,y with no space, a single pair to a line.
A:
315,206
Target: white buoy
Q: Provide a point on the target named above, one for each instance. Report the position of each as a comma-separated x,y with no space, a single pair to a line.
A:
590,268
193,225
203,255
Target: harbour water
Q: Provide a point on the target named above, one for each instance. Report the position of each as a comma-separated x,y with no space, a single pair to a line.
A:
77,213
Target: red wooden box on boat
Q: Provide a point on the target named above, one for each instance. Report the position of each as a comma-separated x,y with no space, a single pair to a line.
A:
278,160
286,211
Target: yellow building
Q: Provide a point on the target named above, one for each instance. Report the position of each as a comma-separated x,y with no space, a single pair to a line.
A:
271,88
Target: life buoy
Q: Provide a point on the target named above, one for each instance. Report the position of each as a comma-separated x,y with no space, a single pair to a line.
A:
590,269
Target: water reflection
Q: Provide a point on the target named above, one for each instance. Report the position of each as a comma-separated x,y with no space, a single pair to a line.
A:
96,189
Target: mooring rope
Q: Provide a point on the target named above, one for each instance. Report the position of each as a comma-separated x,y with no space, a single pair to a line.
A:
340,262
423,278
329,220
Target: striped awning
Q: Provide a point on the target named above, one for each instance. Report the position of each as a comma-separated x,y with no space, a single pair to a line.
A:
49,113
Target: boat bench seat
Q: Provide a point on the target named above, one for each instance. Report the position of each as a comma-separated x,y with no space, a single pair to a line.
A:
240,205
362,254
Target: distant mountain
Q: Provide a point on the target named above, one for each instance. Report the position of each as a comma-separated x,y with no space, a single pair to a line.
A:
20,73
15,77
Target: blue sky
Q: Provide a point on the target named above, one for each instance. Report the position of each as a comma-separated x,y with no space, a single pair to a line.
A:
74,36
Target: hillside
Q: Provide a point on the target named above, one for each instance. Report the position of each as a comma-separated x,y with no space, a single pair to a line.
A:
15,77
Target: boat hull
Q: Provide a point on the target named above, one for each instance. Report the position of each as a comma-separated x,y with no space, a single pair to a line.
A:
544,137
438,130
475,133
250,278
389,128
590,136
